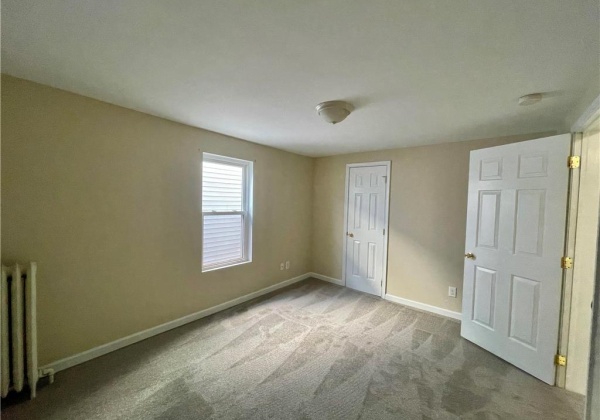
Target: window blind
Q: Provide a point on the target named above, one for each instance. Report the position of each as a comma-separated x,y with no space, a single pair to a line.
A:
222,187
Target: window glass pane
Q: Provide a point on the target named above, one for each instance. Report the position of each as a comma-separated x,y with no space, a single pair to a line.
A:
222,187
223,238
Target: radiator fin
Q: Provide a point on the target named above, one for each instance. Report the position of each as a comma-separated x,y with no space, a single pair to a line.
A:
31,328
5,356
17,318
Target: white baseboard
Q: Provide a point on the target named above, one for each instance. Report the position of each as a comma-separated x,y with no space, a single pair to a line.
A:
397,299
82,357
424,307
326,278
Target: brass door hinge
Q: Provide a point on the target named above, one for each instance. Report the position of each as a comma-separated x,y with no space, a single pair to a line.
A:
560,360
574,162
566,262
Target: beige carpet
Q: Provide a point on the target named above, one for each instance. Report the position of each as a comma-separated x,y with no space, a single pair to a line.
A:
312,351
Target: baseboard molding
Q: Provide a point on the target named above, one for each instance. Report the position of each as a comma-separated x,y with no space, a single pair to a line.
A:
397,299
424,307
90,354
326,278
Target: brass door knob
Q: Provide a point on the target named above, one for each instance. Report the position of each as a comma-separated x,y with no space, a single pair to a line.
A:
470,255
350,234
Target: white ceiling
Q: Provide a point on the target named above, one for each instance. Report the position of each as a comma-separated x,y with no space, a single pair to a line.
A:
418,71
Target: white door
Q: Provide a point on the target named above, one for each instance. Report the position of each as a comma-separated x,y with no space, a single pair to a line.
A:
366,215
515,230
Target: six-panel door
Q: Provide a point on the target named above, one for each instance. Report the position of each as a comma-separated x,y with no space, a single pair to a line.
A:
365,228
515,229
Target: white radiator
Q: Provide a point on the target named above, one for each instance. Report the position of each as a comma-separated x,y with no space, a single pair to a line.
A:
19,332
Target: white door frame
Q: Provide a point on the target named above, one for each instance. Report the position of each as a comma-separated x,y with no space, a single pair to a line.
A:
582,123
564,322
388,172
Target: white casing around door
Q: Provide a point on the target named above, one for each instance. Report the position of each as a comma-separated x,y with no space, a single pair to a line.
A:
516,219
366,210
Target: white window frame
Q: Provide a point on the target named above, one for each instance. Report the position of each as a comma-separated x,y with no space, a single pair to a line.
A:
246,212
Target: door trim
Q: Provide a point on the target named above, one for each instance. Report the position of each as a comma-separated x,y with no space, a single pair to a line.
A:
567,289
583,122
388,172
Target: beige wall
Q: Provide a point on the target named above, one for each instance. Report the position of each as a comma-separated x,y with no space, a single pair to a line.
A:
107,201
584,263
427,217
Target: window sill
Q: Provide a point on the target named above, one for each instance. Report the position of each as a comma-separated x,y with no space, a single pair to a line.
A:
227,265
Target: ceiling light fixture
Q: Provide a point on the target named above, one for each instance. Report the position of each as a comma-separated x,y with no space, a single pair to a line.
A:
532,98
334,111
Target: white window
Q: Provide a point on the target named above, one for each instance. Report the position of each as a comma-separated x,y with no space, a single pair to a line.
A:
226,211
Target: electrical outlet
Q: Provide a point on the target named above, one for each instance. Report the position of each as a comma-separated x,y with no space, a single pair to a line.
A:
287,265
281,266
452,292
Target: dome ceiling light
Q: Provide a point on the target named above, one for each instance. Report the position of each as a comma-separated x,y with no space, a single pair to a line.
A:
532,98
334,111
